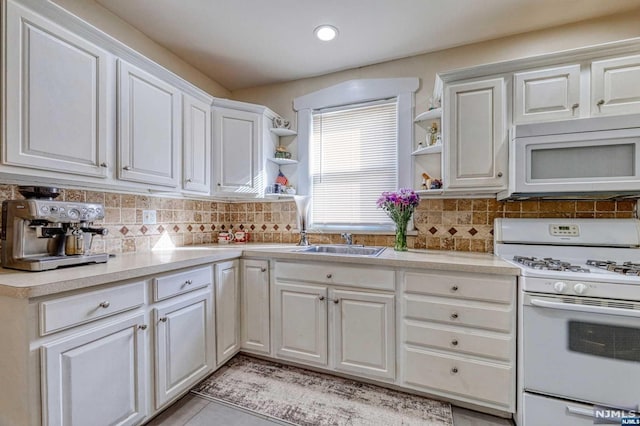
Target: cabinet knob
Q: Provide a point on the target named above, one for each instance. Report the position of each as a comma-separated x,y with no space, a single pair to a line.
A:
454,370
263,269
218,184
105,304
188,282
142,327
454,342
600,102
329,276
454,288
575,106
499,174
454,315
163,319
336,301
103,164
189,180
126,168
321,298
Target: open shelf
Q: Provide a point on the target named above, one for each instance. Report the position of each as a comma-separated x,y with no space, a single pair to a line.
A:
283,132
282,161
432,114
433,149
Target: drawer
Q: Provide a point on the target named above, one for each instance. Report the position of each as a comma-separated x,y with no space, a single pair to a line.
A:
492,288
540,410
459,340
469,314
66,312
382,279
493,383
181,282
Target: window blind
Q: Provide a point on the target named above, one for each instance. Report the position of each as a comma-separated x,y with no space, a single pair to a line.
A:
353,160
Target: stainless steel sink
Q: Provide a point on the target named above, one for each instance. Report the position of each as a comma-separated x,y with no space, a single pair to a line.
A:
343,250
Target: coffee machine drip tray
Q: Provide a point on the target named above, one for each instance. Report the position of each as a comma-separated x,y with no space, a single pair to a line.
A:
43,263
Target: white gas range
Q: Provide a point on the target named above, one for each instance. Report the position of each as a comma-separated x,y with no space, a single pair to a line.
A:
579,316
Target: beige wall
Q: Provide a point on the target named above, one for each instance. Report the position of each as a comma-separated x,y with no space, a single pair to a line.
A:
104,20
279,97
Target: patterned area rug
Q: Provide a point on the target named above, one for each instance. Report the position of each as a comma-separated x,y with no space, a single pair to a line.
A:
305,397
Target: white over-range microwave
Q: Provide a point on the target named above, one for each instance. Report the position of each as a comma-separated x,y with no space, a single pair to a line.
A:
582,158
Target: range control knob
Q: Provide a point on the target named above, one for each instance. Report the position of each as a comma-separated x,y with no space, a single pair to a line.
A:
73,214
579,288
559,287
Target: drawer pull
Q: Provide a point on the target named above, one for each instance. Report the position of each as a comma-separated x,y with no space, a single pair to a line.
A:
454,288
329,276
454,342
142,327
321,298
263,269
126,168
454,370
454,315
105,165
163,319
104,304
188,282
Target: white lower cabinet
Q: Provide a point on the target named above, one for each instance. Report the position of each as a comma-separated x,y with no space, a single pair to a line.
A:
348,330
364,333
183,344
227,310
458,336
301,322
96,377
254,311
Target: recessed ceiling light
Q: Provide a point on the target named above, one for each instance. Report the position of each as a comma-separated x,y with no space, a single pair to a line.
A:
326,32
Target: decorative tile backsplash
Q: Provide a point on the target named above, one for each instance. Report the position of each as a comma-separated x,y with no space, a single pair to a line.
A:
442,224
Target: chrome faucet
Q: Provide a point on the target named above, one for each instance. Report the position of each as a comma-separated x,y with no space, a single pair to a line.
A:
348,238
304,239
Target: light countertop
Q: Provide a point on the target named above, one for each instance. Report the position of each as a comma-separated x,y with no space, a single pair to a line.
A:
21,284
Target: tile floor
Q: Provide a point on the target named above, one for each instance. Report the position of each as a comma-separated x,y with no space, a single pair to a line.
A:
192,410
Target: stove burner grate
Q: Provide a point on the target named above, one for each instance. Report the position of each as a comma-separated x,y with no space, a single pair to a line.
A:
626,268
549,264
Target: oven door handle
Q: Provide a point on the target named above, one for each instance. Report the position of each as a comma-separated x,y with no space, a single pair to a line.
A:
580,411
585,308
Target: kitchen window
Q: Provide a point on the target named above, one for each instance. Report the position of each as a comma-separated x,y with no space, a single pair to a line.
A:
354,142
353,159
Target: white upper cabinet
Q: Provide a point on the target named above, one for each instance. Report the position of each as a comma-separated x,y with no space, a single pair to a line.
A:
58,97
548,94
196,148
475,126
615,86
238,162
149,127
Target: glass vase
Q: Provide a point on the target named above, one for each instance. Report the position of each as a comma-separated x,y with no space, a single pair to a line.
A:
401,236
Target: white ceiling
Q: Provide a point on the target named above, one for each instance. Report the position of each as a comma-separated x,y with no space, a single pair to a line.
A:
245,43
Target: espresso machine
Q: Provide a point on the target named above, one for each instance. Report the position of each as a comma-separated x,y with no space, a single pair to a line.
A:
39,233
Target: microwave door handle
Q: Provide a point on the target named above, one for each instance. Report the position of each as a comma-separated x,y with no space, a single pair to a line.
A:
585,308
580,411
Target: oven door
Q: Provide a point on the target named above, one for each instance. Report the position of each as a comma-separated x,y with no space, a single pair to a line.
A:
602,161
578,350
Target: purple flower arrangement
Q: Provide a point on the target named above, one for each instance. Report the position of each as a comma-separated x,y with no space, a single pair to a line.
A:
399,206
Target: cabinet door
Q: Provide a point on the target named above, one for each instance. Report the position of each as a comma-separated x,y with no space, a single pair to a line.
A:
255,306
545,95
196,157
364,333
238,158
96,377
57,99
475,148
184,344
149,127
300,322
615,86
227,310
